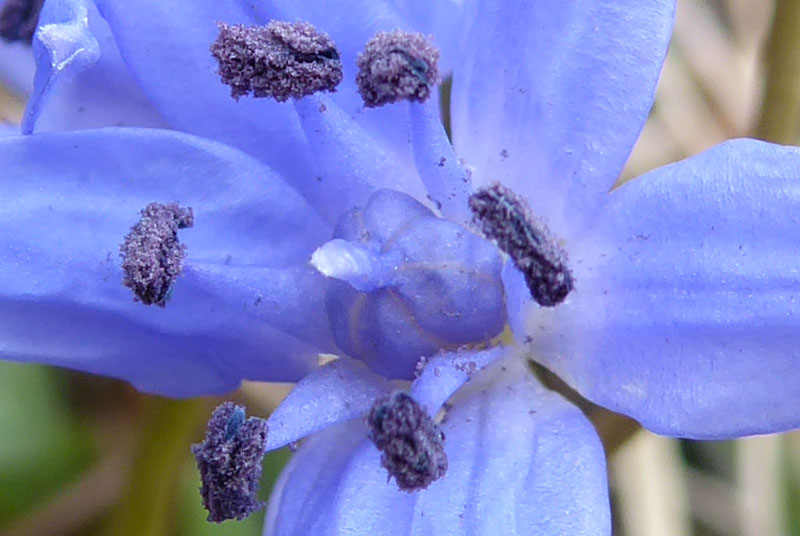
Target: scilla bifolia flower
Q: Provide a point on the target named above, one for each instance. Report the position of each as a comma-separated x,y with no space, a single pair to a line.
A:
669,298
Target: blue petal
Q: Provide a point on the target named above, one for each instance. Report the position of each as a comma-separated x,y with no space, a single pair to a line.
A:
442,19
73,94
685,314
63,46
521,461
339,391
77,194
167,50
550,96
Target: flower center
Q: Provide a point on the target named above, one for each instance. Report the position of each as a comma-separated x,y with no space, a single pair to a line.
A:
411,444
506,219
405,284
279,60
397,65
229,460
18,19
152,255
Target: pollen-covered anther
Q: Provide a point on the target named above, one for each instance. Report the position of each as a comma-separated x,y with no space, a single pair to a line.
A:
152,255
229,460
18,19
411,444
397,65
278,60
506,219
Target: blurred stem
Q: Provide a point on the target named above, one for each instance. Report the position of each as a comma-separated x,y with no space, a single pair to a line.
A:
780,108
169,427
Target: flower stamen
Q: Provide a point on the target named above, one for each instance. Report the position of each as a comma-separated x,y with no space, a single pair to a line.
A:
152,255
278,60
506,219
411,444
397,65
229,460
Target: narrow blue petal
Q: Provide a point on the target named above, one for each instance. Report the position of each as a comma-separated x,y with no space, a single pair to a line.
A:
551,96
339,391
75,197
521,461
63,46
685,314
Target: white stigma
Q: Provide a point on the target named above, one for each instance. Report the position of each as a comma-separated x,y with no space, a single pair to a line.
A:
362,269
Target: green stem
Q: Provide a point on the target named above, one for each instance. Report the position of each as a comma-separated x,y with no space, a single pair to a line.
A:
780,108
147,507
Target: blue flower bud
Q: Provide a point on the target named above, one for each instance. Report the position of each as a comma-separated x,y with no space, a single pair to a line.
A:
405,284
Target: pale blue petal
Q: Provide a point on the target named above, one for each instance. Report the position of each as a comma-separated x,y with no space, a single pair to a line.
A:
339,391
521,461
63,46
440,18
75,197
686,308
551,96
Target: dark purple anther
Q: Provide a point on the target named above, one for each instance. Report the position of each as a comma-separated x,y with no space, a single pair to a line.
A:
152,255
505,218
411,444
279,60
395,66
229,460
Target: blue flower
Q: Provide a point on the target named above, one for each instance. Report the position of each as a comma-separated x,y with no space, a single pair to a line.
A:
681,313
247,304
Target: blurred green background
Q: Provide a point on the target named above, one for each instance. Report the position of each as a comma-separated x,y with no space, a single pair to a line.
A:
88,456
